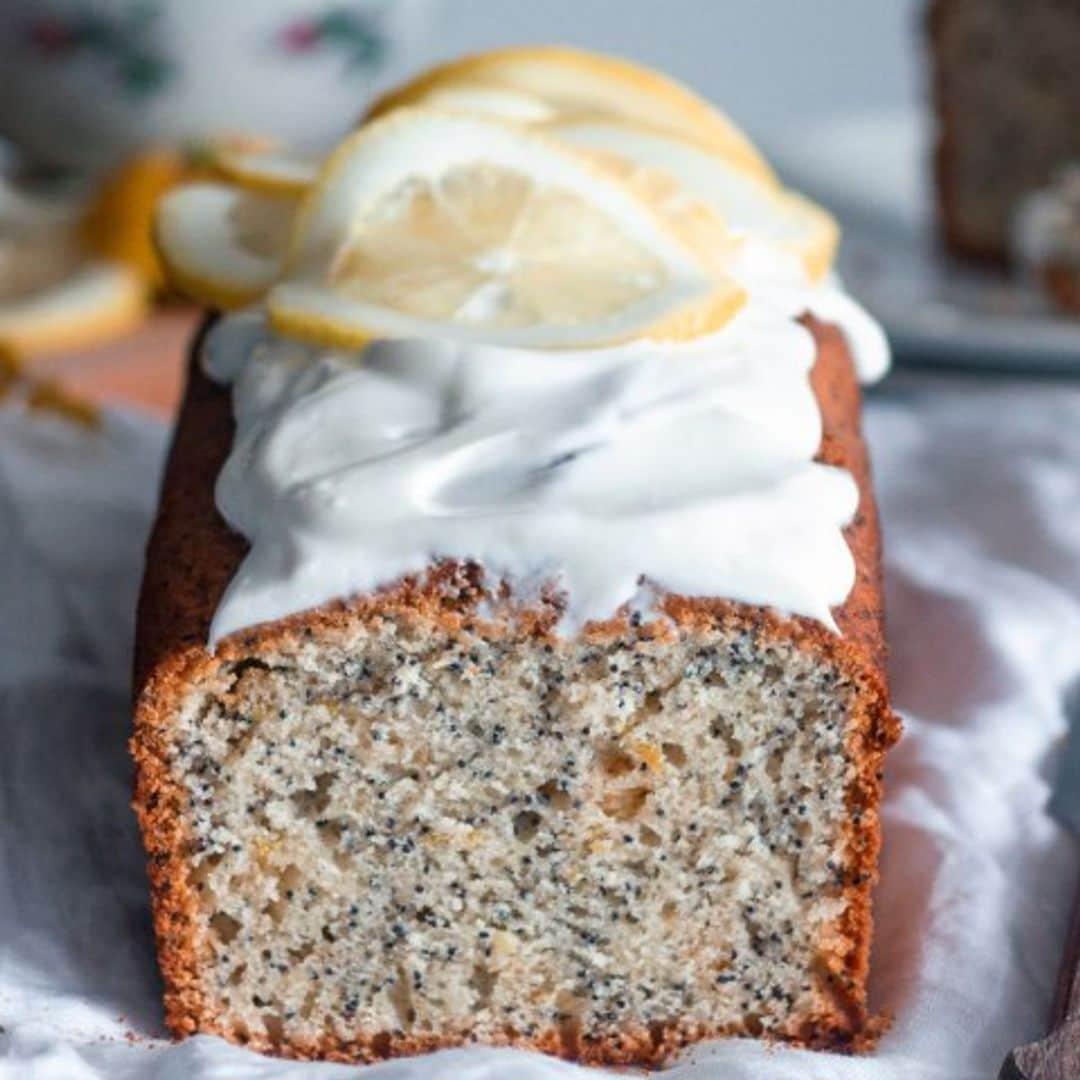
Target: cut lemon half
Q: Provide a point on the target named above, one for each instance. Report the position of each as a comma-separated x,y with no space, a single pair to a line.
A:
269,171
221,245
748,206
95,302
573,83
429,223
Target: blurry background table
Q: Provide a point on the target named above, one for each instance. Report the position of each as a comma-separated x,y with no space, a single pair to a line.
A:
144,371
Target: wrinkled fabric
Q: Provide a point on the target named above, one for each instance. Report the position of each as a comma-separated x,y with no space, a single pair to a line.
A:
979,488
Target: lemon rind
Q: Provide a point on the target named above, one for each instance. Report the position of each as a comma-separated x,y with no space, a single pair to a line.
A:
704,124
241,168
205,283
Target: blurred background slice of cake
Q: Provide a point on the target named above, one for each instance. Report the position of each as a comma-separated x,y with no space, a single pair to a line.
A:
1006,77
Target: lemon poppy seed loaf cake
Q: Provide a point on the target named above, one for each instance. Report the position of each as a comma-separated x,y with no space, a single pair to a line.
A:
510,661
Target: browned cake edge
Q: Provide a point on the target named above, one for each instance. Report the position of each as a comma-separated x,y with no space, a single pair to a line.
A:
191,557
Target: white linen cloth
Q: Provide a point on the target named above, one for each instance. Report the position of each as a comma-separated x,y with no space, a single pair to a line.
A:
979,486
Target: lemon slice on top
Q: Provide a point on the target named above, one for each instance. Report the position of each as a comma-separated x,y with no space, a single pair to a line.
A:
748,207
222,245
537,84
429,223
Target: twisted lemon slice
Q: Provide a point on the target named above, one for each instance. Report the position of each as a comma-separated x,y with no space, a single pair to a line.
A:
118,222
747,206
432,223
539,84
222,245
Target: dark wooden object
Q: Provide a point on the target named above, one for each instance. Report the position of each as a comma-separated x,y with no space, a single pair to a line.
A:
1057,1057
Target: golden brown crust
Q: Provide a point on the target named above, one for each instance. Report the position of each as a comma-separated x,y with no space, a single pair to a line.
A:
191,557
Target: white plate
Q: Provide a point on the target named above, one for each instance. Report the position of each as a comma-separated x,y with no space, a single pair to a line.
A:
871,170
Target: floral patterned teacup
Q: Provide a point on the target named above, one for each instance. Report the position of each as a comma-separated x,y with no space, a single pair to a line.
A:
88,81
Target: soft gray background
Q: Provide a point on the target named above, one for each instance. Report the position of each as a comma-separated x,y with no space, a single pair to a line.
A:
769,63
